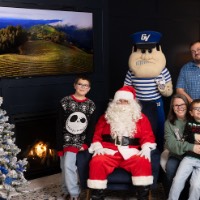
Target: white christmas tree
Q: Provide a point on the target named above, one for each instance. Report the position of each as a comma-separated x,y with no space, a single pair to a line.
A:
11,169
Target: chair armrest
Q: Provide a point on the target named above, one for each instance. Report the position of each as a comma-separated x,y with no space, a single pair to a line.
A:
155,164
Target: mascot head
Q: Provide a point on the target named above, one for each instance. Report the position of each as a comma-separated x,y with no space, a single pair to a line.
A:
147,59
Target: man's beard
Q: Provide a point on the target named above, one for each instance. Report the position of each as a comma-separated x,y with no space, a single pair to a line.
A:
122,118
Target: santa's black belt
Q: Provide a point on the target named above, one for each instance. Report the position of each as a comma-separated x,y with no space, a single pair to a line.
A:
125,141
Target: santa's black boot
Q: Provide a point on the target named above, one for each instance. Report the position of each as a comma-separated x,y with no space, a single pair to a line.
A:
97,194
143,192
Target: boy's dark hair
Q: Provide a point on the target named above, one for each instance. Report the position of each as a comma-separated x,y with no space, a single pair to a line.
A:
193,102
84,77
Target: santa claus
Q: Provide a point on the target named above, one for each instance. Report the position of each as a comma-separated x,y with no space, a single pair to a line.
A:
123,138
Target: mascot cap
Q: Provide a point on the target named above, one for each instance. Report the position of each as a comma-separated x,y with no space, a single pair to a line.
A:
126,92
145,39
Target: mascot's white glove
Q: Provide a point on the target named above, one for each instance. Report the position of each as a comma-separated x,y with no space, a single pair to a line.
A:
166,89
160,84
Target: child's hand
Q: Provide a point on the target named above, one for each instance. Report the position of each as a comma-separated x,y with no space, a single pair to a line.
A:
81,149
197,137
196,148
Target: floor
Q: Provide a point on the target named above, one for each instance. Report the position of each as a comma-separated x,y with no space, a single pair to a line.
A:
44,188
49,188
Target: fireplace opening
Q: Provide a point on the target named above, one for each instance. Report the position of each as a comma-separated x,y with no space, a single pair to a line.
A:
36,137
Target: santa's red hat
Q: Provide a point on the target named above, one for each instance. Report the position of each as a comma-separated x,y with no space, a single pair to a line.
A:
126,92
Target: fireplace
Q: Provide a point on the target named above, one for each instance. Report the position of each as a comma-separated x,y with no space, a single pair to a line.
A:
36,137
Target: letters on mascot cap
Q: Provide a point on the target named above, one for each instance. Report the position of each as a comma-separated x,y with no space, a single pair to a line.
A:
126,92
146,39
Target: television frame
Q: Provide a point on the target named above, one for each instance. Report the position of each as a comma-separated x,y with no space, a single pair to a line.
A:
33,60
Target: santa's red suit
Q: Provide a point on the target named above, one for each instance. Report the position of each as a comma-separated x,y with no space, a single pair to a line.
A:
115,155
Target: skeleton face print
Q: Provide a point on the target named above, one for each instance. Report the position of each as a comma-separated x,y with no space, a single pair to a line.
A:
76,123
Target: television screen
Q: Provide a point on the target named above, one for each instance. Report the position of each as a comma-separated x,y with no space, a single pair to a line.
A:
41,42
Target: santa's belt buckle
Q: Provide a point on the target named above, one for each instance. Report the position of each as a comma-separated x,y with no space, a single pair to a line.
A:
124,141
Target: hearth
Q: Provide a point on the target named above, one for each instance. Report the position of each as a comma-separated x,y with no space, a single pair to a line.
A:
36,137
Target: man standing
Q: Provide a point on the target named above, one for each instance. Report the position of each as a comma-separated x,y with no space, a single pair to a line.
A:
123,138
188,82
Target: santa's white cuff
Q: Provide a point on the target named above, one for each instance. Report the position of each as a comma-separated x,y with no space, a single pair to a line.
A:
94,146
142,180
97,184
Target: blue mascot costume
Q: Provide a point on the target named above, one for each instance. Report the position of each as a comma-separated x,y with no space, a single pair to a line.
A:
150,78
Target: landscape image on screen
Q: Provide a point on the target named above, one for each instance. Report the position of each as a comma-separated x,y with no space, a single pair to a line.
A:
37,42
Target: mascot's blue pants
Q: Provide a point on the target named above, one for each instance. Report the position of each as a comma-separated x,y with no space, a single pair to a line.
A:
154,110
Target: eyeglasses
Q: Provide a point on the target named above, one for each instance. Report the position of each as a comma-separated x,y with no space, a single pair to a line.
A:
193,52
85,86
179,106
196,108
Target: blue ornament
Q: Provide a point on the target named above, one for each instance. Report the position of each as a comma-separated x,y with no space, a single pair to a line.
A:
8,180
20,168
3,170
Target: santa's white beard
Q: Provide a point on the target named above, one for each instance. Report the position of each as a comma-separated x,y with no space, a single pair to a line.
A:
122,118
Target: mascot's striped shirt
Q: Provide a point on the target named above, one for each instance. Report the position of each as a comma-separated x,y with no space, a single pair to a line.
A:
146,88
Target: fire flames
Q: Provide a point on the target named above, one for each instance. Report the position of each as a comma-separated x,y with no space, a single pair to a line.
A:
41,150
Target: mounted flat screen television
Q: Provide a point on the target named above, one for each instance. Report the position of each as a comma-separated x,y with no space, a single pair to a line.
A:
41,42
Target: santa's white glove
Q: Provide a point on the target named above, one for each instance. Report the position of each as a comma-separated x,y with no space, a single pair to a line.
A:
99,152
146,152
103,151
96,148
